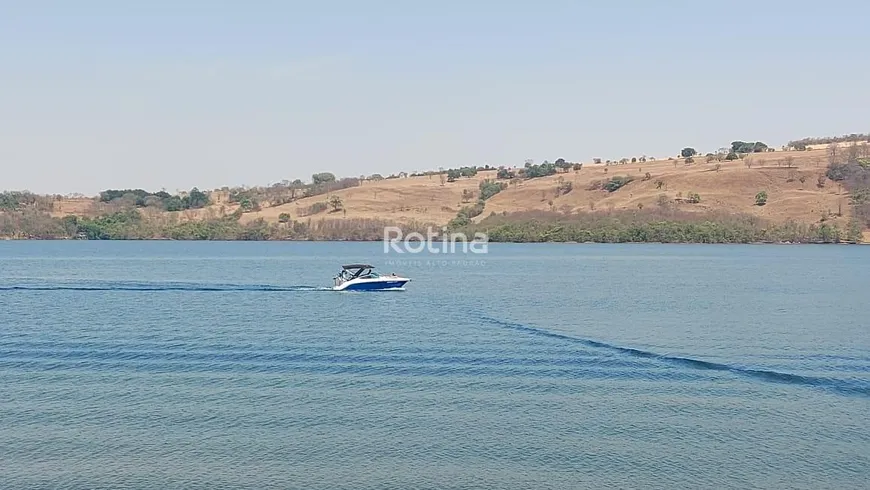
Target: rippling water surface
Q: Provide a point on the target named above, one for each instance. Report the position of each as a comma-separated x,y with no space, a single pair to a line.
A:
160,365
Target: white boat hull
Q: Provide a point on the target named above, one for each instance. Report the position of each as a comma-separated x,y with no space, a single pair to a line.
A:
383,283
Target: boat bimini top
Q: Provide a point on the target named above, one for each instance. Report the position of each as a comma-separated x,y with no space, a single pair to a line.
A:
353,271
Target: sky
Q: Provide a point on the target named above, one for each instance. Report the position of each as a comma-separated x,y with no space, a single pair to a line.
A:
175,94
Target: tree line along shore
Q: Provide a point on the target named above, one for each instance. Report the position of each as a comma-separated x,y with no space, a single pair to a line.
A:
743,193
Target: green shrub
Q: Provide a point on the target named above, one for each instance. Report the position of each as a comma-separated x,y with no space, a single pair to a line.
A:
489,188
617,182
313,209
650,224
542,170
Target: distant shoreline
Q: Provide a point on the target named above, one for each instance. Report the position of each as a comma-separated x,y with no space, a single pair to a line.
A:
794,196
841,242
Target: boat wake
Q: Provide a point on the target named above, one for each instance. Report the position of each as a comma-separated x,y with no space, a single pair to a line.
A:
155,286
840,386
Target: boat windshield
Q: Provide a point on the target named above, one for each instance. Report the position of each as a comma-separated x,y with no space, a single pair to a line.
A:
363,273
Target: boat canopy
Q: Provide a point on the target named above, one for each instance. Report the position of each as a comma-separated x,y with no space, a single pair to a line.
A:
357,266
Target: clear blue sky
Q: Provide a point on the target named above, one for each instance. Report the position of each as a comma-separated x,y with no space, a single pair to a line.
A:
173,94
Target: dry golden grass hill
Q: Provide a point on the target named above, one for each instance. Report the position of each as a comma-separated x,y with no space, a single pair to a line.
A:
790,178
793,191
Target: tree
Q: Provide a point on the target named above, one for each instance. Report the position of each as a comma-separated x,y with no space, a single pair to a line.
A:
467,195
748,147
195,199
663,201
564,187
284,218
323,178
247,205
616,183
688,152
693,197
853,151
732,155
504,173
489,188
336,202
820,183
833,153
854,233
542,170
718,167
761,198
174,203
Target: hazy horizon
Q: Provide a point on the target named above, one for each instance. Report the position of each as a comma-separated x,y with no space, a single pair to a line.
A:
96,95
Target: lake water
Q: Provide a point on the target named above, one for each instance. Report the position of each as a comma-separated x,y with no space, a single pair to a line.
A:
157,365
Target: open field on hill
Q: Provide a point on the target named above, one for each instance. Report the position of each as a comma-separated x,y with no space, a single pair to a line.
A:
776,188
789,178
793,191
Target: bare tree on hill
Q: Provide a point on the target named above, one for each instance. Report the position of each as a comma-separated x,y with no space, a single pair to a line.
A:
833,153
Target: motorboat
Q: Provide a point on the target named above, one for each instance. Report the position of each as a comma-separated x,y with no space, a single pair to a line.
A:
362,277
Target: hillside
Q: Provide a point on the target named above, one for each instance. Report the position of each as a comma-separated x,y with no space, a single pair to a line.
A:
423,198
794,182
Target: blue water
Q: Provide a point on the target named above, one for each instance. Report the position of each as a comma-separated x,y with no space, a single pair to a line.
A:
156,365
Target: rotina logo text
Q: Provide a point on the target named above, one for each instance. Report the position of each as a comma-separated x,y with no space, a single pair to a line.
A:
433,242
